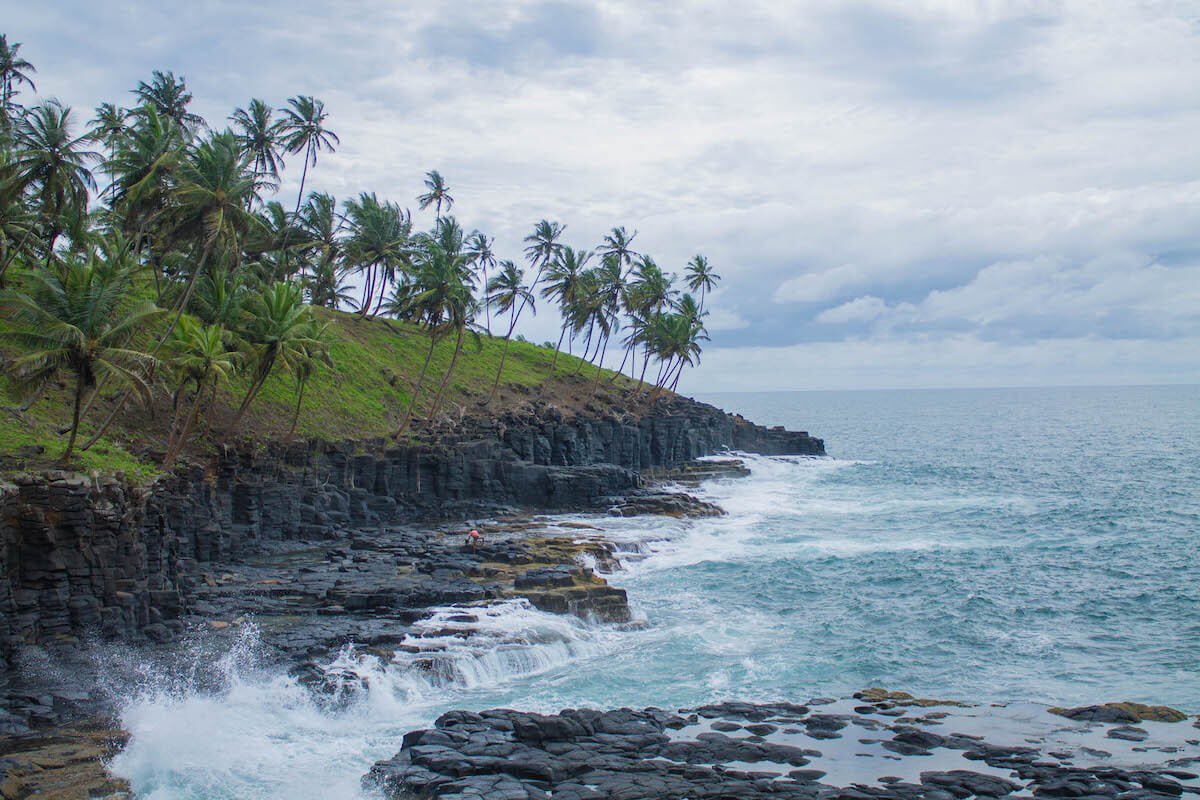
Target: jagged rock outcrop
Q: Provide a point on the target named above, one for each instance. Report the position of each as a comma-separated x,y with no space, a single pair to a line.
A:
88,555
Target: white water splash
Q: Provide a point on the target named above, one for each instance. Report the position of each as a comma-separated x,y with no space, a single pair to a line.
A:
232,728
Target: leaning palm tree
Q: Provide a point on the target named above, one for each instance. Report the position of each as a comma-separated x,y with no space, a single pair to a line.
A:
79,317
280,332
303,131
323,228
564,284
215,186
436,193
700,277
609,291
52,163
18,228
617,244
542,247
143,170
438,297
506,292
259,137
201,359
14,71
207,211
170,97
378,245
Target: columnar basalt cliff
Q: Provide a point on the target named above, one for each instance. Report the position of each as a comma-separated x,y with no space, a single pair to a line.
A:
89,555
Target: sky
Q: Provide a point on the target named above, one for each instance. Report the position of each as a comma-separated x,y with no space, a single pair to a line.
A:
896,194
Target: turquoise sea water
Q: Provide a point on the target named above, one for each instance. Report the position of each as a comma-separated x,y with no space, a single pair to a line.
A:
986,545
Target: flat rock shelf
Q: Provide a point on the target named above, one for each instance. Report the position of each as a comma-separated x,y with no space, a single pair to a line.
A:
874,745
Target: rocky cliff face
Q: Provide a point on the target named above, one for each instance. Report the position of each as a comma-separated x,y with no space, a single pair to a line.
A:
84,555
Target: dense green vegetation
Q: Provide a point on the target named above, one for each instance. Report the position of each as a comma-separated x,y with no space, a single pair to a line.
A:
156,299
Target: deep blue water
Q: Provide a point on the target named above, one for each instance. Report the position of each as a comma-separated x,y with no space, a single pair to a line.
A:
984,545
1000,544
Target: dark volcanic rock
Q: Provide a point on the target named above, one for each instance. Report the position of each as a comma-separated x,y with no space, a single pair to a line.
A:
625,754
80,555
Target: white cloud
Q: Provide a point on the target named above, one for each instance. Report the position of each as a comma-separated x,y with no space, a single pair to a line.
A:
860,309
723,319
817,286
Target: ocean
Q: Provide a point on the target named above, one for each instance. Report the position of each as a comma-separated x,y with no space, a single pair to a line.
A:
989,545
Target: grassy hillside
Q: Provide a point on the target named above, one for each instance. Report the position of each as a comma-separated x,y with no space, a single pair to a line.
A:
376,363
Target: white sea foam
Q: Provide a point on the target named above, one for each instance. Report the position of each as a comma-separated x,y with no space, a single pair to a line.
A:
250,732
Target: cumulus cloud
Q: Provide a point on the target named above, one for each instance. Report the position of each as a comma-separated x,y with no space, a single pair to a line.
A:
860,309
816,286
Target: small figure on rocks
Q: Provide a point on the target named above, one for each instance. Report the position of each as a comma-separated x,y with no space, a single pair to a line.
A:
473,539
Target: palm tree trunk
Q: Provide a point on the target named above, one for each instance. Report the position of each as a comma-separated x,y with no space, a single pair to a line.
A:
188,424
179,308
620,369
368,291
487,309
252,393
557,347
296,416
678,374
504,354
642,377
600,363
296,214
174,418
417,389
74,419
441,395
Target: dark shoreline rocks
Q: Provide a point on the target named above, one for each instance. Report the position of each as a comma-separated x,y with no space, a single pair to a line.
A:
733,750
94,556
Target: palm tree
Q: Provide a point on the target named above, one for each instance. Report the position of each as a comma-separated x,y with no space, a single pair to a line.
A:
609,290
142,169
215,187
437,193
18,228
652,292
169,96
328,287
439,297
378,245
279,331
543,243
13,72
53,165
208,208
259,137
200,357
676,338
322,226
80,317
617,244
700,276
565,280
479,248
108,126
505,291
303,130
542,247
218,298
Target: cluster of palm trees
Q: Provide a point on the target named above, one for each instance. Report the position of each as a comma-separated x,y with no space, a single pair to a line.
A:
146,248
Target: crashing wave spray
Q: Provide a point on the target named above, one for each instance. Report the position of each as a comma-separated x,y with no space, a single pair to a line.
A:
224,724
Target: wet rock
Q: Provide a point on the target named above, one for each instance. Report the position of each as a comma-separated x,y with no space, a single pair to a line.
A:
1128,733
1121,712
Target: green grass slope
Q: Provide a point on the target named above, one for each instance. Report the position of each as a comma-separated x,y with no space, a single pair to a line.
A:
364,395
